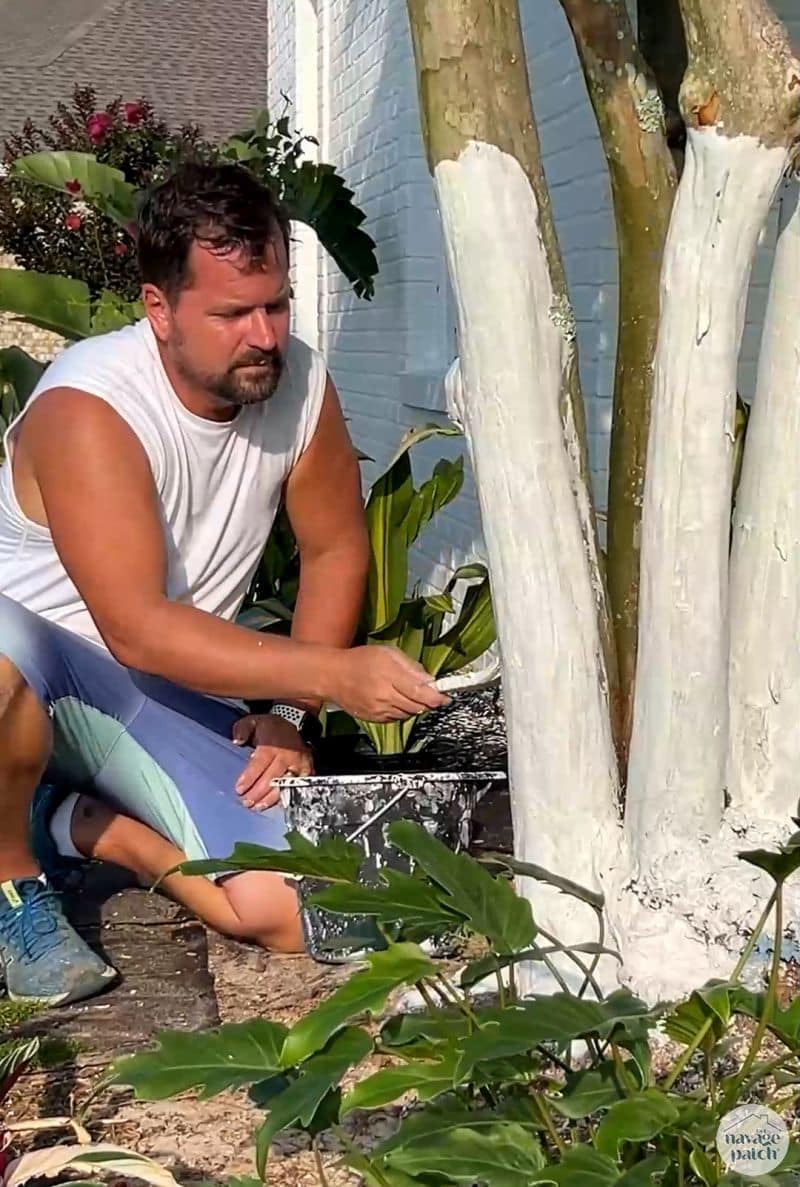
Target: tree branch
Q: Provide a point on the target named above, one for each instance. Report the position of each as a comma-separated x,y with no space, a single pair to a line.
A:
629,114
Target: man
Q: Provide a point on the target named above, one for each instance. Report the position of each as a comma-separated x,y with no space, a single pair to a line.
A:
141,485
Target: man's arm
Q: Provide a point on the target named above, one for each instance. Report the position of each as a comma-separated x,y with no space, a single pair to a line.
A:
101,506
326,510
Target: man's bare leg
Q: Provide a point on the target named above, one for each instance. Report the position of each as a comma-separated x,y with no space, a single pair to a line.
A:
25,743
256,906
42,957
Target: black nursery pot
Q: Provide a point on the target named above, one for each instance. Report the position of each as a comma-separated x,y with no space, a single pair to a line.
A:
359,806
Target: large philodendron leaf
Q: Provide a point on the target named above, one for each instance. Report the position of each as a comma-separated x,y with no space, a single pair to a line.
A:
489,905
495,1152
399,899
311,1100
101,185
332,858
365,993
318,196
59,304
427,1079
211,1061
594,1088
780,864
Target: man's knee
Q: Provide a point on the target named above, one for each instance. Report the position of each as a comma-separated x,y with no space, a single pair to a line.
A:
266,910
24,724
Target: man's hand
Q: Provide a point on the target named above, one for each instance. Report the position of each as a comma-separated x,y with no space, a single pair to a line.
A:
380,683
279,750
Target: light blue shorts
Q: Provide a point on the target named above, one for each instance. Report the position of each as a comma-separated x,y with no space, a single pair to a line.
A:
153,750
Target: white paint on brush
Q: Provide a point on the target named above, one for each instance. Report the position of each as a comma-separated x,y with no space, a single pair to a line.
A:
513,355
765,565
679,745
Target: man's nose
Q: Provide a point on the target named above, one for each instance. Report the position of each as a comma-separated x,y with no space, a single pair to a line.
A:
261,333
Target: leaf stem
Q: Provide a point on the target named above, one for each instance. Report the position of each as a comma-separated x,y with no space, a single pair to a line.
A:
769,1002
547,1121
581,964
323,1178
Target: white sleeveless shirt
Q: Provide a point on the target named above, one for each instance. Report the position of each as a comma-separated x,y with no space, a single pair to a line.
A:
218,484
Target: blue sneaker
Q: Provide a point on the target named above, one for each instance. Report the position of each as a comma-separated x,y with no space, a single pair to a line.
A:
42,957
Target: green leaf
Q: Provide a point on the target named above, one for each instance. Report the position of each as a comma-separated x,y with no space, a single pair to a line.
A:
780,864
582,1166
332,858
422,433
501,1155
56,303
425,1080
440,489
559,1018
365,992
637,1119
588,1091
301,1101
472,634
22,371
441,1027
101,185
401,899
374,1174
712,1003
703,1167
111,312
315,194
527,869
784,1024
212,1061
490,905
387,507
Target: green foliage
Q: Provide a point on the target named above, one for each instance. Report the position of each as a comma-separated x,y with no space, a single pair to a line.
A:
68,203
499,1100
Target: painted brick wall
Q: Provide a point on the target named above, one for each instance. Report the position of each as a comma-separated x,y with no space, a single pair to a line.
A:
387,356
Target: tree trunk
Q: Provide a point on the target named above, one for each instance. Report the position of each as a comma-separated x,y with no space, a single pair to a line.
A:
740,108
629,114
517,365
765,566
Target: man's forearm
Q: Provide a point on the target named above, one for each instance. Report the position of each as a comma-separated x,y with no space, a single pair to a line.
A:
206,653
329,602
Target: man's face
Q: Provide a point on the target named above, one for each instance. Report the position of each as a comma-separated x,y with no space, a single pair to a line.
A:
227,330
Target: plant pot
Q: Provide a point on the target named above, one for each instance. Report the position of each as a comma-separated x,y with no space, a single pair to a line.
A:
360,807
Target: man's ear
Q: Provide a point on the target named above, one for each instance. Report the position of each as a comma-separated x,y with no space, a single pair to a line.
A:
158,310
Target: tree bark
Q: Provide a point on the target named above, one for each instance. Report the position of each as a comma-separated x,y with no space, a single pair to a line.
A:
630,117
740,100
765,564
517,402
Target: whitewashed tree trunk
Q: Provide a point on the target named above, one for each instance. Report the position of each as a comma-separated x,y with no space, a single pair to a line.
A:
764,760
517,359
676,776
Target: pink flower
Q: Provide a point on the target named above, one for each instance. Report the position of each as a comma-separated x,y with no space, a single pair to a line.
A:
134,114
73,222
120,249
98,126
72,187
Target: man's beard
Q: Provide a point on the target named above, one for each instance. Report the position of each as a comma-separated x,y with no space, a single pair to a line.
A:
253,379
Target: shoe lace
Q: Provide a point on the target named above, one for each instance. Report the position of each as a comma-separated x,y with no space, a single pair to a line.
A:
36,922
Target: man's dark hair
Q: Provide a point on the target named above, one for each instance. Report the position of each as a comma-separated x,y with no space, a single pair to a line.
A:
222,207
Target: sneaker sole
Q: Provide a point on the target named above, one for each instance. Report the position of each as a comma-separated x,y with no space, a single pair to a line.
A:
75,995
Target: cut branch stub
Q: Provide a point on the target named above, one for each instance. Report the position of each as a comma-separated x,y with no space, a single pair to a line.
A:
743,76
